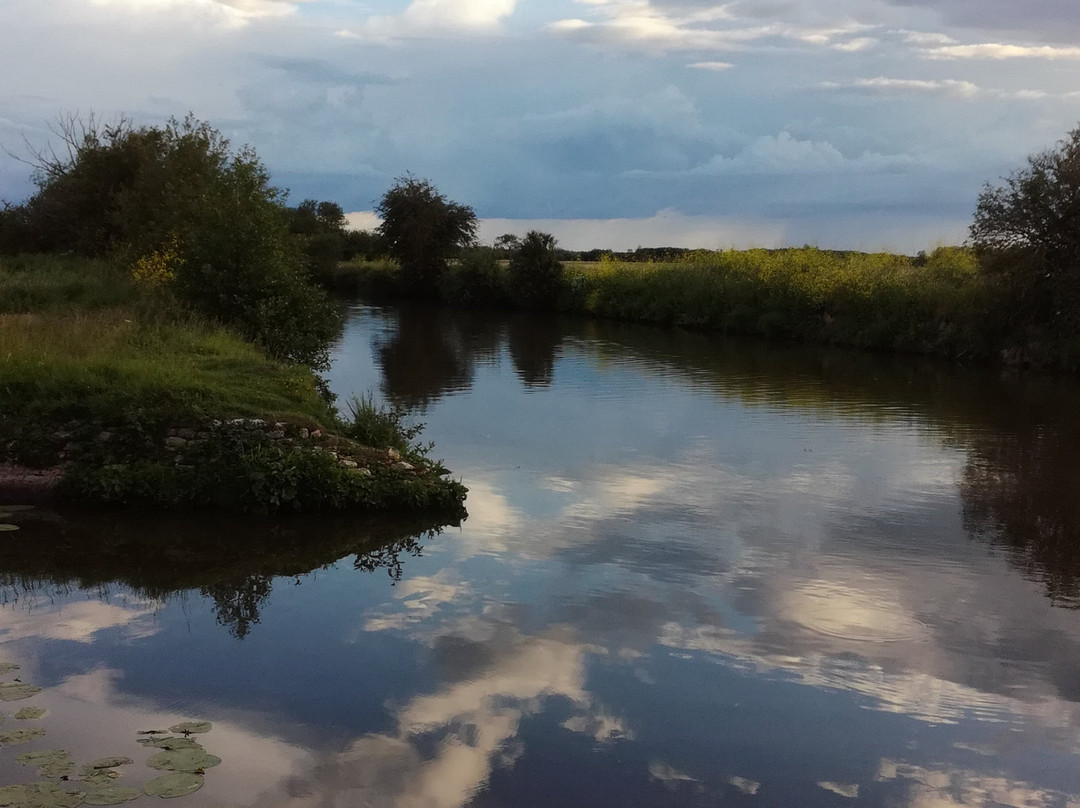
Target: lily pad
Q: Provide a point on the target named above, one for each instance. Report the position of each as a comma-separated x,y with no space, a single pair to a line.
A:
17,737
50,762
6,528
170,742
176,784
7,667
191,726
39,795
107,763
110,794
14,691
183,760
6,509
31,713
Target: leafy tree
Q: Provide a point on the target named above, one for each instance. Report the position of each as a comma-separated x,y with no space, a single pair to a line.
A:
180,189
422,229
535,270
1027,233
320,226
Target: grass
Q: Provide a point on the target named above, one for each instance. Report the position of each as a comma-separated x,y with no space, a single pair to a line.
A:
933,304
85,350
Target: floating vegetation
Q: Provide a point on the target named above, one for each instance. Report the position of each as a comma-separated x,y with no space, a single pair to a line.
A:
14,691
50,762
188,727
31,713
18,737
106,763
110,794
8,667
6,528
183,760
40,795
170,742
9,509
176,784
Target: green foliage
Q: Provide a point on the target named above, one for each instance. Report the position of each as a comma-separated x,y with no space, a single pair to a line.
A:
422,229
383,427
128,192
476,280
244,470
535,271
320,227
1027,232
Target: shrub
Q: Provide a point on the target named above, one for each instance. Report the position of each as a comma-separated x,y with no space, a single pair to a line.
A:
535,271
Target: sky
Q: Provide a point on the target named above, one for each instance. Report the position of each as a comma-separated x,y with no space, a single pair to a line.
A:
862,124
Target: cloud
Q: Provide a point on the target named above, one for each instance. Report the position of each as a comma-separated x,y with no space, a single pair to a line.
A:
948,87
79,621
434,17
999,51
711,66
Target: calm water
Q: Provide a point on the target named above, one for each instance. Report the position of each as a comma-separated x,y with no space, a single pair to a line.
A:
695,572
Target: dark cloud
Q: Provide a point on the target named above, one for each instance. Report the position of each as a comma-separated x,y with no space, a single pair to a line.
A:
1045,20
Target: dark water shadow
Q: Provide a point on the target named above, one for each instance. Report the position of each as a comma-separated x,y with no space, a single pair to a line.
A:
232,561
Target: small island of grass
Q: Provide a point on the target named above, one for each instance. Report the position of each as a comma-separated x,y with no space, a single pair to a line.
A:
160,340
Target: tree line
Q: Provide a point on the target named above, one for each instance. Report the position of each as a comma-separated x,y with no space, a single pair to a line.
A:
186,209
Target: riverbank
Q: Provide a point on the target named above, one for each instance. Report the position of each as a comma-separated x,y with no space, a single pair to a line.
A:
937,304
112,392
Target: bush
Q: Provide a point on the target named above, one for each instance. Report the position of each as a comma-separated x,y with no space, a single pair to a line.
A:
138,194
476,280
535,271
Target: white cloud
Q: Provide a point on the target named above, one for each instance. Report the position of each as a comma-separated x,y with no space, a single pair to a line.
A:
712,66
79,621
434,17
948,87
997,51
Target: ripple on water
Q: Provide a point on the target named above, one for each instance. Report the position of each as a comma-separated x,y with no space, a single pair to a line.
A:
844,612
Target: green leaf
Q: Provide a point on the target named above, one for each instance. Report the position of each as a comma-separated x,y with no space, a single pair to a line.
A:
176,784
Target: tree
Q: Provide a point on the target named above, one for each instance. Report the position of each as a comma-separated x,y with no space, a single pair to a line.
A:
320,226
422,229
179,189
535,270
1027,233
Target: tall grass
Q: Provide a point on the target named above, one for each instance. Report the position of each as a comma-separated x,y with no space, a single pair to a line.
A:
880,300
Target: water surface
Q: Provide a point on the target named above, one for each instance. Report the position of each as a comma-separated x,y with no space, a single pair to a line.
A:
696,571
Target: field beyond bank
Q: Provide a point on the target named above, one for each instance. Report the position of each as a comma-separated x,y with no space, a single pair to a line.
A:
937,303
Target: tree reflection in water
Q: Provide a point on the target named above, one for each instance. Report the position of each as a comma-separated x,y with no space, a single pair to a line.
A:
234,562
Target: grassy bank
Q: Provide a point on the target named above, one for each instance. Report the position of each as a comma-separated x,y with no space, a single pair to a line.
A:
935,304
138,399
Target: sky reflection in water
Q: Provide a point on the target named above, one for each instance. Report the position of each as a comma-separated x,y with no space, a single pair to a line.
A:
695,572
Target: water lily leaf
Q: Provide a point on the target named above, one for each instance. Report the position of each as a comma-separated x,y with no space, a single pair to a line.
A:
50,762
107,763
98,777
14,691
192,726
183,760
39,795
111,794
6,509
176,784
6,528
7,667
170,743
20,736
31,713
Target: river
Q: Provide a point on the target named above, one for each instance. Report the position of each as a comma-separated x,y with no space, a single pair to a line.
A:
696,571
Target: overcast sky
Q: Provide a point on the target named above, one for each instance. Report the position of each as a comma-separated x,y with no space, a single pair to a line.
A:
841,123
